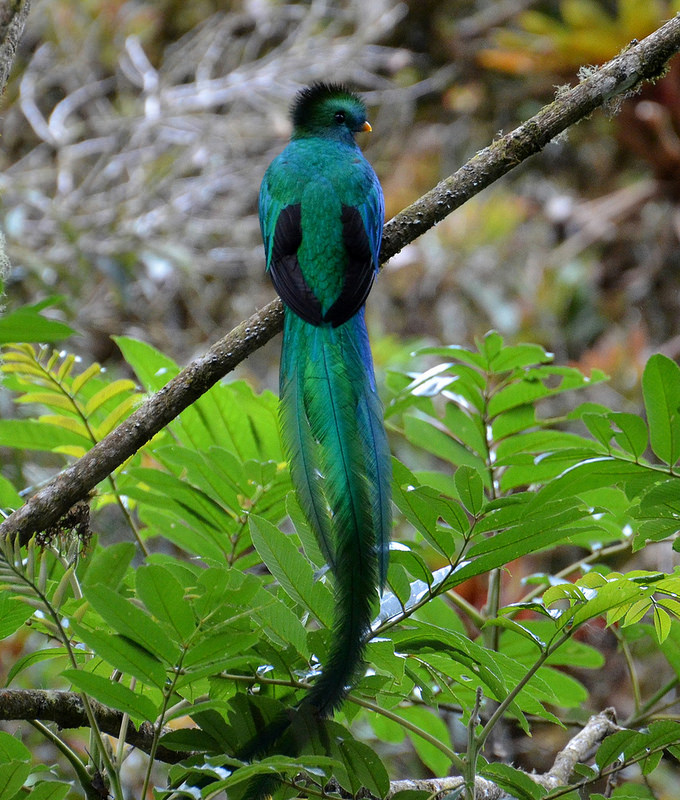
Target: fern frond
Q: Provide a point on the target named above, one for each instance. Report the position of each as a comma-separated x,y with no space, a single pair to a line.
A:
85,403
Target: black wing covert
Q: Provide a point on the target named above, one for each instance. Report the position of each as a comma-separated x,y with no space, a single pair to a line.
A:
289,282
360,270
284,268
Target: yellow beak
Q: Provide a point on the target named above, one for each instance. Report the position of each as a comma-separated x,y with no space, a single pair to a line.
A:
366,127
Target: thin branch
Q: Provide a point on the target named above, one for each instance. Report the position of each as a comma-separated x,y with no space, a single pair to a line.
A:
68,711
579,749
484,789
13,14
641,61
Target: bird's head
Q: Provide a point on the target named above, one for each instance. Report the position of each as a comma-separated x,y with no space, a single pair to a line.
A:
329,111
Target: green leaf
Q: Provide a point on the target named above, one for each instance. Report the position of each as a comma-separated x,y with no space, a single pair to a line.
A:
93,371
291,569
610,595
12,749
218,648
599,427
512,780
50,790
114,694
467,428
170,491
124,654
423,506
512,625
9,497
670,647
27,325
662,624
13,614
661,392
594,474
538,383
34,658
533,529
153,368
630,744
455,352
422,433
129,620
204,541
520,355
106,393
490,346
425,719
12,777
470,489
108,565
630,433
163,595
519,418
364,769
659,510
283,626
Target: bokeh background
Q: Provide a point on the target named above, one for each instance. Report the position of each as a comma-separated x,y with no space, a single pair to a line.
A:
135,135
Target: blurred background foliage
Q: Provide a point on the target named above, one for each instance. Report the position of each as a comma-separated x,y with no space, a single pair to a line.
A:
135,135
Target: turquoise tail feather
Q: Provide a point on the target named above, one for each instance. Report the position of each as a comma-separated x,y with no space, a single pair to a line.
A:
340,466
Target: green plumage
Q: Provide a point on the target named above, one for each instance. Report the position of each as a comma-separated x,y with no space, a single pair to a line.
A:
332,427
321,214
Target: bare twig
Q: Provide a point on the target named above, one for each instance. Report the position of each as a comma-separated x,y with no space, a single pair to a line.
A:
645,60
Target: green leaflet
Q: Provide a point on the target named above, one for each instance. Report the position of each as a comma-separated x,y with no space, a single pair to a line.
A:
292,570
661,390
114,694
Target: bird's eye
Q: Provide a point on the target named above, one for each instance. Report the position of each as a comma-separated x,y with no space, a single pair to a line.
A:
339,117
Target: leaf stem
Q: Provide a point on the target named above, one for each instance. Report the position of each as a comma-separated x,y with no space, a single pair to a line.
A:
508,699
79,767
645,710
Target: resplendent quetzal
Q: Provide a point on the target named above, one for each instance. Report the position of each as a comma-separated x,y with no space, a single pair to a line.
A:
321,214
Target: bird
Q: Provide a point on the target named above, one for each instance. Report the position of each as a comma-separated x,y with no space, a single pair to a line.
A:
321,211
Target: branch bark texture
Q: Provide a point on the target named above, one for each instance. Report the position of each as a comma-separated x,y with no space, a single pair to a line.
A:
68,711
641,61
13,14
577,751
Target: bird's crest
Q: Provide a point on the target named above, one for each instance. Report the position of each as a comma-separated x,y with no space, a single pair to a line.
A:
311,99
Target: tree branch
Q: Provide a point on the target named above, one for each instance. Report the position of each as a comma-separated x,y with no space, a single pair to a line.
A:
645,60
68,711
13,14
577,750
